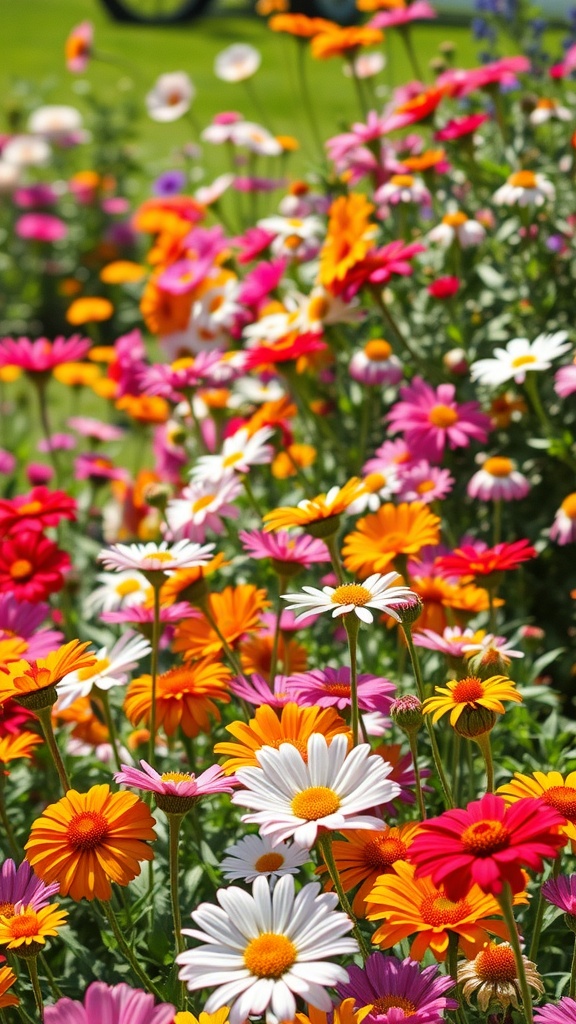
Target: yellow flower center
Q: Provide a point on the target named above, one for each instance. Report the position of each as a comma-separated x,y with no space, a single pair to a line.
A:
351,593
292,241
383,851
269,862
24,925
402,180
523,360
30,508
485,837
159,556
270,955
496,963
523,179
315,802
385,1003
468,690
374,482
231,460
498,466
318,307
568,506
563,799
455,220
93,670
442,416
127,587
176,777
6,910
185,363
87,830
203,502
337,689
439,911
377,350
544,103
425,486
20,569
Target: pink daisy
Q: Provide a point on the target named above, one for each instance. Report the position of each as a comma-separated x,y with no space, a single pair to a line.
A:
430,419
95,429
498,480
563,529
398,991
288,552
40,227
565,380
256,690
176,783
20,885
420,10
330,688
115,1004
426,483
460,126
42,355
452,642
24,619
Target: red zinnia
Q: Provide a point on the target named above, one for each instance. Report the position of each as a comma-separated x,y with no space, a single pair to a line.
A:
444,287
487,844
378,266
476,560
31,566
289,348
38,509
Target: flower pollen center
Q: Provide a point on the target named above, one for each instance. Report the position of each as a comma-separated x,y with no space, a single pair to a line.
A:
6,910
337,689
385,1003
377,350
485,837
496,963
270,955
468,690
24,925
383,851
269,862
351,593
87,830
315,802
442,416
455,220
439,911
231,460
563,799
498,466
20,569
522,179
569,506
203,502
177,777
127,587
523,361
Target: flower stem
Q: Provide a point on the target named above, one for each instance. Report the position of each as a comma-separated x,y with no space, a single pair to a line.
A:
154,671
5,819
572,990
505,901
306,96
276,640
33,972
251,496
419,793
483,742
334,557
103,694
325,844
45,716
43,410
352,626
174,823
126,951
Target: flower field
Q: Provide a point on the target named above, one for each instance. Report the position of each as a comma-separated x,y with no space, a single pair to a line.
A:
288,522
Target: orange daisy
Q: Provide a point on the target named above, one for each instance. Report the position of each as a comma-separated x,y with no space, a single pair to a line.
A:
469,600
33,683
318,516
86,840
7,979
294,726
89,310
436,594
471,693
412,905
77,375
349,237
343,42
185,584
26,929
237,611
362,857
256,655
300,25
391,531
21,745
184,697
552,788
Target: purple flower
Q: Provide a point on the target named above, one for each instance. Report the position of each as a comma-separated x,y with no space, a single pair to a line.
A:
330,688
563,1013
561,892
400,991
256,690
116,1004
20,885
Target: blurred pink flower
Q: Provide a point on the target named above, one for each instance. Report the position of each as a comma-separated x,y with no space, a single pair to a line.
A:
40,227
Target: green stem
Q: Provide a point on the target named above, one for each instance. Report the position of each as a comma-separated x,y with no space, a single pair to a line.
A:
154,671
352,625
497,522
505,901
33,972
279,609
335,557
537,927
103,694
127,952
174,823
448,798
453,939
419,793
5,820
44,420
572,990
358,86
411,52
251,496
483,742
325,844
306,97
377,292
56,990
45,717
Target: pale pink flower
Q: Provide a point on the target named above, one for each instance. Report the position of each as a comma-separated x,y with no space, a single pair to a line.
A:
202,506
563,529
115,1004
78,47
330,688
420,10
256,690
171,783
498,480
565,380
284,546
426,483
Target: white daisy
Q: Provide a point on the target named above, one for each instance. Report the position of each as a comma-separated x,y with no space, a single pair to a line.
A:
153,557
117,590
201,507
256,855
56,123
547,109
111,669
525,188
255,138
291,797
237,62
294,235
563,529
261,950
375,592
239,452
378,487
519,356
171,96
26,151
208,194
467,231
403,188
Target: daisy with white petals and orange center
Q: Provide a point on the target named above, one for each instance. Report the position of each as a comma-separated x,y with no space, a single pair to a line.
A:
375,592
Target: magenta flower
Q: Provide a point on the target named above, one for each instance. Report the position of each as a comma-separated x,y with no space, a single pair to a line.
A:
431,419
423,482
256,690
143,618
24,619
565,380
460,126
563,1013
98,468
40,227
20,885
94,429
115,1004
286,551
7,462
405,992
561,891
184,275
42,355
176,783
420,10
330,688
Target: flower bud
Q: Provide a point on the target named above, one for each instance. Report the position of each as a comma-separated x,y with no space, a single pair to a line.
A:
158,496
475,721
406,713
570,922
487,663
409,609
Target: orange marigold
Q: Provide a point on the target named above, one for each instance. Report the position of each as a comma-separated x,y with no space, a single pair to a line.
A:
7,979
183,697
294,726
20,745
256,655
300,25
391,531
236,610
362,857
342,42
87,840
319,515
33,683
349,238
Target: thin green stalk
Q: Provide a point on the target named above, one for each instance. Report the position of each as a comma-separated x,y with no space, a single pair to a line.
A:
572,990
154,671
5,820
352,625
537,926
174,823
358,87
103,694
335,557
33,972
45,717
44,420
448,798
127,952
505,901
251,496
56,990
276,641
325,844
483,742
411,52
418,780
453,940
497,522
306,97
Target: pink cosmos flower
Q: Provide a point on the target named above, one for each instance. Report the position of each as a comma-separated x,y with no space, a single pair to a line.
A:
503,72
24,619
460,126
330,688
40,227
98,468
263,279
561,892
42,355
129,363
386,983
173,783
142,618
431,419
565,381
563,1013
563,529
256,690
94,429
420,10
452,642
203,506
498,480
426,483
60,442
7,462
184,275
252,243
283,546
392,455
115,1004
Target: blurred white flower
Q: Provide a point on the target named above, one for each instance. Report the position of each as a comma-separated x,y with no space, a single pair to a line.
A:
56,123
237,63
26,151
171,96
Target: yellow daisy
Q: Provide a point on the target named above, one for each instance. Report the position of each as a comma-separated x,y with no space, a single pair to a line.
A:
552,788
473,693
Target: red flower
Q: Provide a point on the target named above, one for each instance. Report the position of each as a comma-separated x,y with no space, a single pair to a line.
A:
289,348
460,126
478,560
378,267
487,844
444,287
31,566
42,355
38,509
